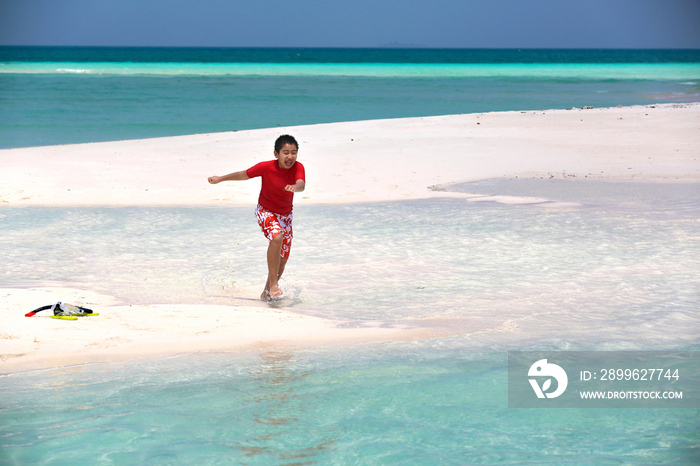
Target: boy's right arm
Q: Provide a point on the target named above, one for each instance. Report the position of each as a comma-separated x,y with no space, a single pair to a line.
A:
237,176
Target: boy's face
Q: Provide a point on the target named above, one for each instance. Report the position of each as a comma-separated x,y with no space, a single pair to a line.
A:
287,156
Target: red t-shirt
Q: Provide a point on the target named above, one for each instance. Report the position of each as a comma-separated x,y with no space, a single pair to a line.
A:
273,197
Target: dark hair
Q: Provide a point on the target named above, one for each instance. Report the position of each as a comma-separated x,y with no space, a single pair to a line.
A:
285,139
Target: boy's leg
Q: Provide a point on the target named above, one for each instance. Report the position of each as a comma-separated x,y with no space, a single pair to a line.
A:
283,262
275,267
269,290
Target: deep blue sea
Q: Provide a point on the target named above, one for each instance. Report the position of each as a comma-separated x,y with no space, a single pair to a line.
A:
618,268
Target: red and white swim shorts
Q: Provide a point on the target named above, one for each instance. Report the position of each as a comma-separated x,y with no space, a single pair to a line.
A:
273,224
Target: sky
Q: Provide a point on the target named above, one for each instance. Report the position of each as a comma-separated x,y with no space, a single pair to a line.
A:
353,23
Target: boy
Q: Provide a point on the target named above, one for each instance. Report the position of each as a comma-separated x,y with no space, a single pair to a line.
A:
281,178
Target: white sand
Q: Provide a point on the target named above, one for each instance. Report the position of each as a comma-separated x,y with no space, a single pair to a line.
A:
120,332
364,161
345,162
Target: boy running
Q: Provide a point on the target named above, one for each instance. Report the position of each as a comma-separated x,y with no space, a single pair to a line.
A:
281,178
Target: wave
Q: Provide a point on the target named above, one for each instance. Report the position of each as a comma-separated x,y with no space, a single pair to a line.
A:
626,71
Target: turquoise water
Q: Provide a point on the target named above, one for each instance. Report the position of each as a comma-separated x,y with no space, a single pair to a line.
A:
392,404
616,271
72,95
598,71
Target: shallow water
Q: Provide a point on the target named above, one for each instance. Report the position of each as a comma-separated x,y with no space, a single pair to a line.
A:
617,268
392,404
626,255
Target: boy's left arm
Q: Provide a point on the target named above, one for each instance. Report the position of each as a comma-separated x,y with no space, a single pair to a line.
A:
296,187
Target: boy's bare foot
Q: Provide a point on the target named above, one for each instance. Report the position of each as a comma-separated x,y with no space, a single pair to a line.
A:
269,295
275,292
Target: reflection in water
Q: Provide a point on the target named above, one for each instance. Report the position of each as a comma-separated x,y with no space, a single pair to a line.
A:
278,409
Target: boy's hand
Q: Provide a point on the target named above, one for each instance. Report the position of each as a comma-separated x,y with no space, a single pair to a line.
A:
296,188
214,179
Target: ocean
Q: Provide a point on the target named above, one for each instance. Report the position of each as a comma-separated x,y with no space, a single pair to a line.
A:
54,96
616,269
